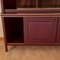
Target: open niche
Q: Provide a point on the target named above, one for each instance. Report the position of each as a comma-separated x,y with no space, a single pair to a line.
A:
14,29
9,5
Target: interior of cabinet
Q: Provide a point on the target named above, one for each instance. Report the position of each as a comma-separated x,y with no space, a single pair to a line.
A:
9,4
29,6
14,29
46,3
26,3
38,3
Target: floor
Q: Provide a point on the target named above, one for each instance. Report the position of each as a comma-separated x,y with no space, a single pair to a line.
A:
29,52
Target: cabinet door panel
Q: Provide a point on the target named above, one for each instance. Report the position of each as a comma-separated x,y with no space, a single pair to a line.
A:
39,30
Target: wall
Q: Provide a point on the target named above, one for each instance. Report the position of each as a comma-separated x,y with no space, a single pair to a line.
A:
1,29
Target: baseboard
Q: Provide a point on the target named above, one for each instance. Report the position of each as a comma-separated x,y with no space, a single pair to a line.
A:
1,38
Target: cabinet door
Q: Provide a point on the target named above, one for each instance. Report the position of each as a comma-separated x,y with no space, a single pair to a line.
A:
39,30
58,32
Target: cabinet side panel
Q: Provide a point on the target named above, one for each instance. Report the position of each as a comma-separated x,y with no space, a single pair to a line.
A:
58,32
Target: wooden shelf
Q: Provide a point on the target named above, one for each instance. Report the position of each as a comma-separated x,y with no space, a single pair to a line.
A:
16,40
32,10
31,15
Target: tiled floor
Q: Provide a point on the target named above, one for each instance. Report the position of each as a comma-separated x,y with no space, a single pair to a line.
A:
30,52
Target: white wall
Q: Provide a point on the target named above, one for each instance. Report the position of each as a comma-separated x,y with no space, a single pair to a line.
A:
1,29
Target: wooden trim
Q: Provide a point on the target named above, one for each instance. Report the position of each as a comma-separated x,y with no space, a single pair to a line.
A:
33,10
32,15
38,8
22,44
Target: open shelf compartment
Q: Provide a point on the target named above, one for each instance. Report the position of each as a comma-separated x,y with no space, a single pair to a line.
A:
14,29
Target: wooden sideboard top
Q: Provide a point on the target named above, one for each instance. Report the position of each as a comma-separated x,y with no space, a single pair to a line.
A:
31,15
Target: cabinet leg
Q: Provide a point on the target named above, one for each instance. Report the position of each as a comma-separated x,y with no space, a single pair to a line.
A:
6,48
